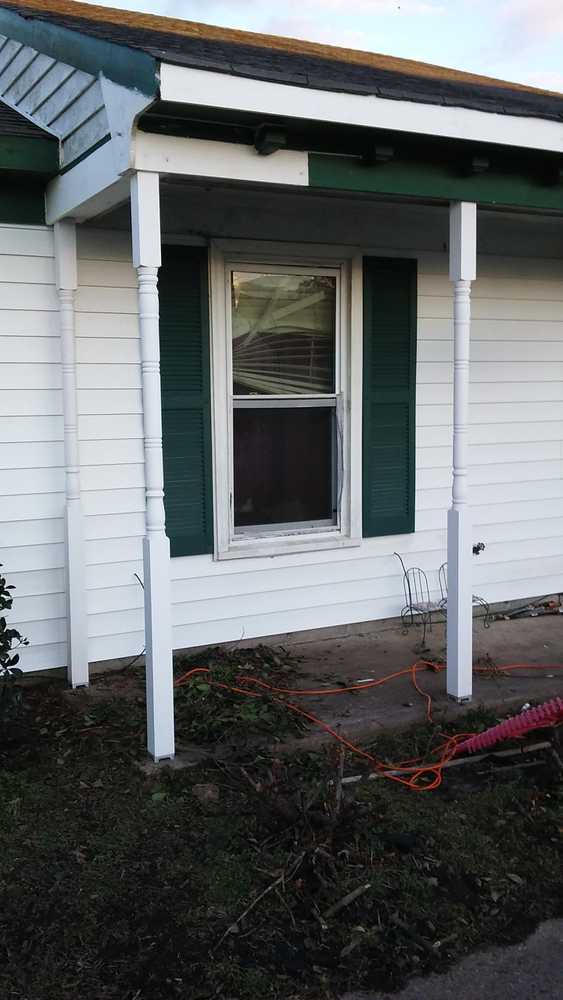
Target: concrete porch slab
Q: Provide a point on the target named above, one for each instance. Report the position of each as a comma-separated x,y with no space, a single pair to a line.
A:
372,651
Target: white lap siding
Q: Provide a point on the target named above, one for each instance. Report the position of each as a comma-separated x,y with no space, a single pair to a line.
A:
111,442
516,477
516,455
31,443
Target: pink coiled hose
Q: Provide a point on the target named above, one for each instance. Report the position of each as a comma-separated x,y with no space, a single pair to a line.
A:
548,714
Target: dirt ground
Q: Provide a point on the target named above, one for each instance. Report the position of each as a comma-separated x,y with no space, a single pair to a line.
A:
531,970
248,872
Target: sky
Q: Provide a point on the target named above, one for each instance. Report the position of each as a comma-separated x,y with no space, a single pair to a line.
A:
518,40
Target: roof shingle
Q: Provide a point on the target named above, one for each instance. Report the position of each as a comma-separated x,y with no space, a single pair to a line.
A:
290,60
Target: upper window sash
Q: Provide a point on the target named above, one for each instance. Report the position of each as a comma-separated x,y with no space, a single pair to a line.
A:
259,268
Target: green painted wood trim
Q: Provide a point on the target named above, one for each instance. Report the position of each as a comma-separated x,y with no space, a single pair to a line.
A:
186,399
130,67
432,180
30,154
389,396
22,205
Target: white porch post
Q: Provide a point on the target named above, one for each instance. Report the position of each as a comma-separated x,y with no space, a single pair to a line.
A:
463,264
145,218
67,282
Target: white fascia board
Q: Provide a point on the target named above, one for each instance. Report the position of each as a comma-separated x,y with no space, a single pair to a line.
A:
226,160
93,186
236,93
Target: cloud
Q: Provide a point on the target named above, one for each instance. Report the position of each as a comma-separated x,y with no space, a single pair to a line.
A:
529,20
339,22
312,30
303,8
544,80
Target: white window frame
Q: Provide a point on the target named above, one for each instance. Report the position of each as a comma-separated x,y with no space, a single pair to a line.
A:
279,258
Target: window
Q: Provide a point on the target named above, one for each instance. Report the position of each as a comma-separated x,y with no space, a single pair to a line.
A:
281,389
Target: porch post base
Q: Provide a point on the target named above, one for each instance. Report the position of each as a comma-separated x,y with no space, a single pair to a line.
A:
158,639
78,674
459,674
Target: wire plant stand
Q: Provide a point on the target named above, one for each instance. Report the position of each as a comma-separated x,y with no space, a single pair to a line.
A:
421,608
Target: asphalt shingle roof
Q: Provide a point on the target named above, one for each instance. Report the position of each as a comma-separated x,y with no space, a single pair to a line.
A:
287,60
12,123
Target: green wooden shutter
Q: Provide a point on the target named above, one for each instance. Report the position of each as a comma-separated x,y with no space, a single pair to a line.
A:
186,400
389,396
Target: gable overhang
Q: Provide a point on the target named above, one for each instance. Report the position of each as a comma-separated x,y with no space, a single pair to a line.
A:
81,90
132,68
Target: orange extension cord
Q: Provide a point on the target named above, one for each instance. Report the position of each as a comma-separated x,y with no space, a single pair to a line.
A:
416,775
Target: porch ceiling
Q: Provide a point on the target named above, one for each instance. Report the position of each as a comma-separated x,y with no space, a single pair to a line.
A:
202,210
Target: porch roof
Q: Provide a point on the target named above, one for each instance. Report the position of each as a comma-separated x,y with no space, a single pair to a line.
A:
24,147
287,60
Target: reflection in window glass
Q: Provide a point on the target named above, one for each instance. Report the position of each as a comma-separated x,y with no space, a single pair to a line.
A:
283,328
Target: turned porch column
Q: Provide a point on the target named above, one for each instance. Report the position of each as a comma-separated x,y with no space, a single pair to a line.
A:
145,218
77,630
463,263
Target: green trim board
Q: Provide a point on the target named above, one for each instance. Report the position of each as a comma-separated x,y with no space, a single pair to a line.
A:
130,67
29,154
389,396
434,181
186,399
22,203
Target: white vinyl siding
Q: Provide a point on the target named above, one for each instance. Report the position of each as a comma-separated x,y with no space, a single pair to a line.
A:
516,477
516,443
31,443
110,424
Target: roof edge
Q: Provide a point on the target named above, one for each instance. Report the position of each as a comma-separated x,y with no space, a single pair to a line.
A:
129,67
277,43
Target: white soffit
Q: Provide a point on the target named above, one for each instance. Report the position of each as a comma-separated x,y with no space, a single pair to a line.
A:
220,90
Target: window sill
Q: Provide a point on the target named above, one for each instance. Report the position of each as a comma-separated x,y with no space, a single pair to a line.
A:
283,546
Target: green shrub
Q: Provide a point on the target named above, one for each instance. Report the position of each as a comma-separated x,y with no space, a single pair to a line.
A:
10,641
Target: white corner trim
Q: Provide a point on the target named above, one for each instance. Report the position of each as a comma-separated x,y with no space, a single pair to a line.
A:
219,90
355,393
226,160
77,619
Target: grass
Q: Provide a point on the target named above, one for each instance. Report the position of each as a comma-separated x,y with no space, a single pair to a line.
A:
116,884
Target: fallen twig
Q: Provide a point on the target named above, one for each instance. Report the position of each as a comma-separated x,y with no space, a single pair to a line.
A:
284,904
255,784
556,757
234,927
346,900
514,767
339,779
456,762
417,938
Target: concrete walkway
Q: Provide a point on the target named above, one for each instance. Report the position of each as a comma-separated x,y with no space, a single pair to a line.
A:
532,970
